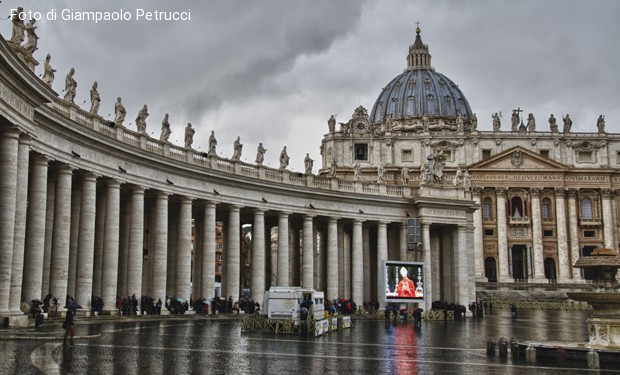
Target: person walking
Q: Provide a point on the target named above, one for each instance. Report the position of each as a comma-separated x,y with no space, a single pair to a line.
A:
69,326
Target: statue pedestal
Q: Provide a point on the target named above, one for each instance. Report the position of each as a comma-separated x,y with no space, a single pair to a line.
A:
24,56
604,325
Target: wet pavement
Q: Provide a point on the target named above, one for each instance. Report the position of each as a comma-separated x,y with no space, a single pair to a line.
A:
199,345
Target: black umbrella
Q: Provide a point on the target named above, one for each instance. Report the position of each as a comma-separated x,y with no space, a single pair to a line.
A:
37,301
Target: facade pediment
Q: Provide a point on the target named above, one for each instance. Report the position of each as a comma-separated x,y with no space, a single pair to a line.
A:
518,159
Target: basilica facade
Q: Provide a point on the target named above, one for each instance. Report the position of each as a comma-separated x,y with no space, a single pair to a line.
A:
91,208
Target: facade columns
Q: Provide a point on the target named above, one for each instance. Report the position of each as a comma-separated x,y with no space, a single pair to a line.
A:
59,266
573,230
184,250
35,230
283,256
403,243
608,222
160,244
502,236
233,256
86,241
332,259
9,150
462,279
307,277
560,209
478,249
21,206
208,252
428,263
258,255
136,243
357,264
537,245
111,242
382,255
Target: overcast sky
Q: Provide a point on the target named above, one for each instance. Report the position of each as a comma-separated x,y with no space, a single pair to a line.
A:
273,71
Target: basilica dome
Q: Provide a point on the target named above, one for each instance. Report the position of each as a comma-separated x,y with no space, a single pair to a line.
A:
420,92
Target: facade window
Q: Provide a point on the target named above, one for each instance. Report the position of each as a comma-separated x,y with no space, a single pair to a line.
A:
219,246
489,232
517,208
548,233
585,157
361,151
487,211
589,233
544,153
618,157
407,155
486,154
546,209
586,209
219,257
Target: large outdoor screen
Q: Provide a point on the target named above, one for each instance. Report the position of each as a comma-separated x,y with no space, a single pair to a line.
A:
404,281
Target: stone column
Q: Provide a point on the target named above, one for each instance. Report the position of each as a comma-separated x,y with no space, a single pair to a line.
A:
332,259
343,267
404,243
59,267
35,233
49,231
428,280
502,236
478,249
258,255
366,262
160,251
283,249
233,256
19,237
307,278
99,239
382,255
357,264
462,268
9,150
86,242
111,241
184,250
539,262
573,229
76,206
608,222
560,209
208,252
136,243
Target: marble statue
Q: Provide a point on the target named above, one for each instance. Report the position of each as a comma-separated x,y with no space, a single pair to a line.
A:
466,180
48,71
436,163
238,148
425,123
189,135
553,126
119,112
459,123
331,124
141,119
568,123
404,175
357,170
600,124
95,99
496,122
165,129
260,154
380,173
531,123
31,30
284,158
17,37
308,163
474,122
458,178
423,174
515,120
212,143
70,86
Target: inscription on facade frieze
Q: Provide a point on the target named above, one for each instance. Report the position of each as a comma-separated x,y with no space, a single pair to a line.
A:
588,178
444,212
16,103
518,177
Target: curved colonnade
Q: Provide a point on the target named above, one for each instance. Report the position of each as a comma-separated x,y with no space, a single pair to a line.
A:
88,209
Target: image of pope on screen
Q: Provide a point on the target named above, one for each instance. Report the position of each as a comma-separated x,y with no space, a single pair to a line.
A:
403,281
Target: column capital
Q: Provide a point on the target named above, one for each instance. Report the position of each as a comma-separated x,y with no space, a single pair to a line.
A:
283,214
89,176
572,193
560,192
501,192
476,191
113,183
40,160
162,194
607,193
137,189
65,169
308,217
259,210
535,192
